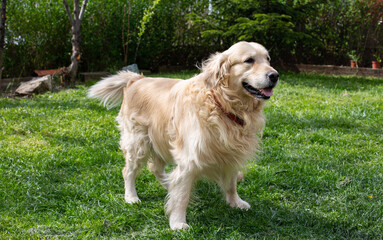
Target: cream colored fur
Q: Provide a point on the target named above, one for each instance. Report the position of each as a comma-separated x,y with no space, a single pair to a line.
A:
177,121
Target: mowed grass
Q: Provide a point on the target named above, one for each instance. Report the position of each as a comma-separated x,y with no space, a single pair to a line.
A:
319,176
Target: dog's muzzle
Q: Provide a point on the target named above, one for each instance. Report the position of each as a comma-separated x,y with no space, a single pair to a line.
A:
263,93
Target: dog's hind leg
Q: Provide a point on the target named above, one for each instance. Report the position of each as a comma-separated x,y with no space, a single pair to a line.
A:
129,173
135,146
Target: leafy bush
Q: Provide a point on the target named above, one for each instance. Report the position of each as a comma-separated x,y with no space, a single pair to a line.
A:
182,33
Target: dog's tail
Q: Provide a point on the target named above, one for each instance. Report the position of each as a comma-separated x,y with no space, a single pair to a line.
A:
110,90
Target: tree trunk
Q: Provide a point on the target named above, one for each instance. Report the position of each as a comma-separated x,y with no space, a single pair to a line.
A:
2,36
76,54
125,43
78,14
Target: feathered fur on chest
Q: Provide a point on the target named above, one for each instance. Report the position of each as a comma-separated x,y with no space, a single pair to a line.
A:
204,132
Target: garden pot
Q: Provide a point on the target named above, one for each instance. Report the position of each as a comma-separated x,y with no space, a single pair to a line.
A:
353,64
376,65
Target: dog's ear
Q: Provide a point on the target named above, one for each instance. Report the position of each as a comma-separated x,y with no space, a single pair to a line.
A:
215,69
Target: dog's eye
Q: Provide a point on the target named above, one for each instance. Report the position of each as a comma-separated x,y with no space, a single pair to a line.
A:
250,60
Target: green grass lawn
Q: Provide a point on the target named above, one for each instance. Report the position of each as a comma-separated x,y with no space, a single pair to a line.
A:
320,175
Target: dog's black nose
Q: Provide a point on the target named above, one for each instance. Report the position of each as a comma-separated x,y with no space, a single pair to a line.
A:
272,76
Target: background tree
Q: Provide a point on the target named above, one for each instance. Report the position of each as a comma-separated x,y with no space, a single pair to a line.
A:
182,33
125,36
37,37
346,26
275,24
144,21
78,14
3,18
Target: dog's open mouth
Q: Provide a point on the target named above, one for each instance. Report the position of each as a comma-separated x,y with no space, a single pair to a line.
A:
264,93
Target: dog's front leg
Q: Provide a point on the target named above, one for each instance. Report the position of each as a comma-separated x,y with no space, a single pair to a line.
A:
180,184
229,187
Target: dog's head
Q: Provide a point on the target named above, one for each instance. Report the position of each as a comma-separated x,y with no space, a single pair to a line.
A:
243,68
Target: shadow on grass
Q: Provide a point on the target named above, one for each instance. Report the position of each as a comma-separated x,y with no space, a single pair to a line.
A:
268,219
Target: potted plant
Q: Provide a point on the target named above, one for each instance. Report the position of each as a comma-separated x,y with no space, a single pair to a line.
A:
377,64
355,58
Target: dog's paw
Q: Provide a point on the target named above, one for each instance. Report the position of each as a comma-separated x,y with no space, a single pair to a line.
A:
179,226
239,203
243,205
132,200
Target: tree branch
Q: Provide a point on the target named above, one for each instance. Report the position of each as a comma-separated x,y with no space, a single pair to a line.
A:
83,9
76,10
68,12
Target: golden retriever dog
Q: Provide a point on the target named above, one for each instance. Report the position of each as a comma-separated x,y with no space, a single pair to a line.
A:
207,126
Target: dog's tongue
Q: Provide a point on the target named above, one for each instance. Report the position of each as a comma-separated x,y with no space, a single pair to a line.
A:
267,92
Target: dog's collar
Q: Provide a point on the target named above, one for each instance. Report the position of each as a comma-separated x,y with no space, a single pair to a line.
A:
230,115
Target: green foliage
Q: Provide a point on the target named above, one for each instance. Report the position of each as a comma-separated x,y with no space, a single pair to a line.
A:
39,41
377,57
144,21
319,175
354,56
347,25
146,18
378,54
318,31
272,23
169,40
174,32
37,37
101,33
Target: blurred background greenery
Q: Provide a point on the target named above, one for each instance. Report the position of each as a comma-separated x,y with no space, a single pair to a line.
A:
182,33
